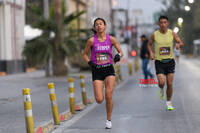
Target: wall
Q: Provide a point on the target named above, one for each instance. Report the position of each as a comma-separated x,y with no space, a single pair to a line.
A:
12,20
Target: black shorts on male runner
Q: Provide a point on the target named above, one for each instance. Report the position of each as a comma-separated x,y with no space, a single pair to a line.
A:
165,67
101,72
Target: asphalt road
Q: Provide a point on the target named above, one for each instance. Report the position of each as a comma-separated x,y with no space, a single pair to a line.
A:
139,109
11,99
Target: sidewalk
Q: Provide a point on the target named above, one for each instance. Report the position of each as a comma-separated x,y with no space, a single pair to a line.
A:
11,98
11,84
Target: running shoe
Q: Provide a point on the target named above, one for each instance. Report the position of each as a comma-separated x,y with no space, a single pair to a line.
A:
161,94
169,106
108,124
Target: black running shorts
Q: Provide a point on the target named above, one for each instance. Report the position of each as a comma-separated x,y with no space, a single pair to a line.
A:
102,73
165,68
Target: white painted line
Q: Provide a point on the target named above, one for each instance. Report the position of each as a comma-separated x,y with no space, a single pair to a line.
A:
75,118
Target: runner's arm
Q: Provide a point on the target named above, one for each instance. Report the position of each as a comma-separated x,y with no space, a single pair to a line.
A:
179,43
87,48
117,46
149,45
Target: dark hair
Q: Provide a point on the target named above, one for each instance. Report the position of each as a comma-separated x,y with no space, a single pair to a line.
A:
143,36
163,17
93,29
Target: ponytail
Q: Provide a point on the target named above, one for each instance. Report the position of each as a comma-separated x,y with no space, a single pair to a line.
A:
94,31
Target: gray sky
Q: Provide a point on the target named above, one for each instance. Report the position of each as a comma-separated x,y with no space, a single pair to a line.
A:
148,7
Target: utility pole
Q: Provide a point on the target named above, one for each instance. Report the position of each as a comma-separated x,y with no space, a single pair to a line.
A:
46,8
112,17
86,5
127,13
78,19
136,34
127,20
48,65
15,39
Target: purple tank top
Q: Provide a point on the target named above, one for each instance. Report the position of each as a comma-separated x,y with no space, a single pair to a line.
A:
101,52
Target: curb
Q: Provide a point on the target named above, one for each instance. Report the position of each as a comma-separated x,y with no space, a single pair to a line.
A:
67,124
45,128
49,126
79,107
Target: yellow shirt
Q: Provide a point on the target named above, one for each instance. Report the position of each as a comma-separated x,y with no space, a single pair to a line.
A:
163,45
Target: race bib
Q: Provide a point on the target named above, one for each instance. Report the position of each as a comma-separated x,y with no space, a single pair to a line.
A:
164,50
102,58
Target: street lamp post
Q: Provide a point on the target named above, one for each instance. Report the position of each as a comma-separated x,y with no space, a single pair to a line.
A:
112,3
111,16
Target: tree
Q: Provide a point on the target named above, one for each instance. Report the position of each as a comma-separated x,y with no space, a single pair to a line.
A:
196,21
40,49
46,15
59,67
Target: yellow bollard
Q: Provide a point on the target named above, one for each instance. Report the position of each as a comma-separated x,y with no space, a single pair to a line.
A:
54,106
28,111
84,95
137,66
120,75
130,68
71,97
117,74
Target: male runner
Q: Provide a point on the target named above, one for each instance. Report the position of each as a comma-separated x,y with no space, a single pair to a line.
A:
163,39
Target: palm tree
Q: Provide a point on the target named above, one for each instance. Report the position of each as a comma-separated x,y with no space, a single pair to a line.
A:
54,42
58,57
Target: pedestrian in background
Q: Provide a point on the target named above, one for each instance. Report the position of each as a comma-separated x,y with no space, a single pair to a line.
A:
145,56
177,54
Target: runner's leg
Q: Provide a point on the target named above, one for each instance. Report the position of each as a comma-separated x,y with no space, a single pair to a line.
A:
169,90
148,71
161,84
109,84
161,80
98,90
144,68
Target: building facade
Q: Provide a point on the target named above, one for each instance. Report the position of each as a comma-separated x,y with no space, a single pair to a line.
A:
12,20
100,8
94,9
